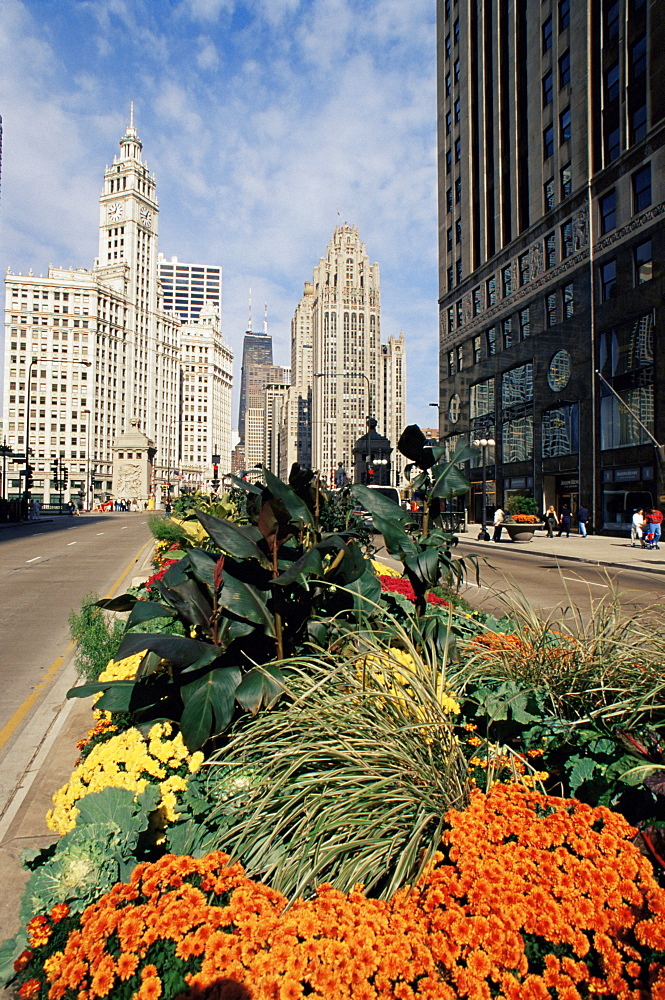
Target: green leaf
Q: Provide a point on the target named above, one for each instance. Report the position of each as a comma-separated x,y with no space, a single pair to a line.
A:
413,445
246,602
309,564
232,540
379,505
145,611
450,482
248,487
260,686
123,603
581,771
208,705
119,806
178,650
202,564
298,510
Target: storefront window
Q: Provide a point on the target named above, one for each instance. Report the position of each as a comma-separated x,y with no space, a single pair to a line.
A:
517,386
618,426
481,398
518,439
628,348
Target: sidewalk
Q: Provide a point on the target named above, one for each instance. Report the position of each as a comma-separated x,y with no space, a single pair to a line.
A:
600,550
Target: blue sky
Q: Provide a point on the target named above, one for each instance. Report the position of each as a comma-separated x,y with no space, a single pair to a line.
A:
266,122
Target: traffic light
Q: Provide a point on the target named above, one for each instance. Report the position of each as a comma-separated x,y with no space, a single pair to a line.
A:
215,477
29,481
65,475
54,471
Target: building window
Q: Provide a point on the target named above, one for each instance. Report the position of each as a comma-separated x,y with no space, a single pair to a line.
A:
525,269
477,349
567,239
477,306
458,190
449,161
507,332
638,123
608,280
449,122
564,14
451,318
643,259
612,83
564,122
491,341
549,194
448,47
507,279
550,251
458,150
456,71
613,144
550,309
450,278
547,34
457,110
451,363
566,181
456,32
638,58
458,270
548,141
525,323
612,19
460,316
560,435
460,358
481,399
564,70
449,199
491,291
449,239
447,84
642,188
458,231
568,301
548,89
608,212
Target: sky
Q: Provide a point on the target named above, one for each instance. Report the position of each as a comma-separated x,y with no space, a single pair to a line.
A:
266,122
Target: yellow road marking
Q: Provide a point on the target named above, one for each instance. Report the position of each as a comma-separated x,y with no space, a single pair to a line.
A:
22,710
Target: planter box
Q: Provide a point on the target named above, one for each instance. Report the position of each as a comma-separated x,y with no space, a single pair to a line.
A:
520,532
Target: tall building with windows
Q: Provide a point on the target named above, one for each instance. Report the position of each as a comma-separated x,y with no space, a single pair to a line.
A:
88,352
551,242
187,287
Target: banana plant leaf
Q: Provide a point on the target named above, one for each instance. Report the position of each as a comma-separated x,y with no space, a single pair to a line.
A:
378,504
413,445
202,565
177,649
275,523
232,540
190,601
243,484
423,569
296,507
145,611
260,686
209,703
246,603
123,603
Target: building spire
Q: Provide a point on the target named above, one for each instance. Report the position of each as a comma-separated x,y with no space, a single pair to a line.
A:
131,114
130,144
249,321
265,319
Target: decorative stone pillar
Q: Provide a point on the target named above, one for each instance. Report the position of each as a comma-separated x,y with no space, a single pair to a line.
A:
133,458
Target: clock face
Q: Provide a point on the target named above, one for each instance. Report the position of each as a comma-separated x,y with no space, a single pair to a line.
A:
115,212
146,217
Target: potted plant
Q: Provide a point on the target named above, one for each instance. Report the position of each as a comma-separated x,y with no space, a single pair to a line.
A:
522,518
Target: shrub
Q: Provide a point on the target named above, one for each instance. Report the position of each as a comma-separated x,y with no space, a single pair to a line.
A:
97,637
521,505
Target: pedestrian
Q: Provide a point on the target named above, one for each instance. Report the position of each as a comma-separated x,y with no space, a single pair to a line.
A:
637,527
564,521
653,520
499,518
582,520
551,521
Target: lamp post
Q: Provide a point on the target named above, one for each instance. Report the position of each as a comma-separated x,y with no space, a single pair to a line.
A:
28,393
484,444
89,491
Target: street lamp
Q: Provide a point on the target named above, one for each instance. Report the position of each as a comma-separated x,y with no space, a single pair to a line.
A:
28,393
484,444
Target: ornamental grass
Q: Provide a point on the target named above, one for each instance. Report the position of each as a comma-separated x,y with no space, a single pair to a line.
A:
350,781
604,666
532,898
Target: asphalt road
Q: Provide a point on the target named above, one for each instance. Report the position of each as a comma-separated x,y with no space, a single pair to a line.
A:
509,575
46,569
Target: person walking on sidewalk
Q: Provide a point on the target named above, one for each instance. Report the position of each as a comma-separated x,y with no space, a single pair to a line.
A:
564,521
551,521
653,521
499,518
582,520
636,528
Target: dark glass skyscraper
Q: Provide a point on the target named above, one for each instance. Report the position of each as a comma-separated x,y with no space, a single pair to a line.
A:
551,146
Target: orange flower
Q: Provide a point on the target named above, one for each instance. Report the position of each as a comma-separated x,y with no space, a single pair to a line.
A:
30,989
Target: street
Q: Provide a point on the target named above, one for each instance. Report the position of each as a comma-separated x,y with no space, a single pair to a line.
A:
509,573
46,569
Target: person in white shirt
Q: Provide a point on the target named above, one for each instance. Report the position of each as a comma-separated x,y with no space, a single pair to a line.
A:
499,518
636,528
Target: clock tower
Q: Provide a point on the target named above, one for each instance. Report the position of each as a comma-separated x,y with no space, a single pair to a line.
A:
127,261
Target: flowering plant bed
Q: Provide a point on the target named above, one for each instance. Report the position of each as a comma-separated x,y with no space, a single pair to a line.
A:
523,519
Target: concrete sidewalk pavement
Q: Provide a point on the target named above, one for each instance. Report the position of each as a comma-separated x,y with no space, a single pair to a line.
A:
600,550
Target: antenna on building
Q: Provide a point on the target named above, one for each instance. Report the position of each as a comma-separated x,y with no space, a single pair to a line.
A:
131,114
265,319
249,321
